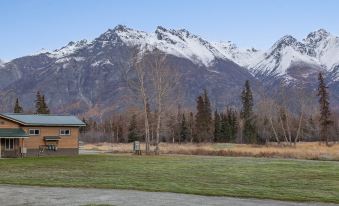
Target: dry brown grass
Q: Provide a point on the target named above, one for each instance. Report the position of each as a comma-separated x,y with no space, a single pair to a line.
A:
312,151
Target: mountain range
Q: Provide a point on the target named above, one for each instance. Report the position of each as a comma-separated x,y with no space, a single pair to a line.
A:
84,77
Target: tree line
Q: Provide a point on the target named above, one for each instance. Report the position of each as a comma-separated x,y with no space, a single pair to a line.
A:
261,123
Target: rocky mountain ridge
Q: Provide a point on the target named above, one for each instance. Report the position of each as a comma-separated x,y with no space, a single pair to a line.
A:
84,77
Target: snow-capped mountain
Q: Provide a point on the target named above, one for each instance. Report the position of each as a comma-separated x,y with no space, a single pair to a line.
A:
286,53
243,57
325,47
319,50
86,75
293,59
180,43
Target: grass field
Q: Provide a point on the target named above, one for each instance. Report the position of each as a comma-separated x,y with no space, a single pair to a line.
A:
295,180
303,150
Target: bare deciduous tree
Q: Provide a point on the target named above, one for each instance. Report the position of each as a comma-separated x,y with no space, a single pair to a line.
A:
135,75
164,79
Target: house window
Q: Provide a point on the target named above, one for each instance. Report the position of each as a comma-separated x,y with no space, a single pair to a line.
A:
65,132
9,144
34,131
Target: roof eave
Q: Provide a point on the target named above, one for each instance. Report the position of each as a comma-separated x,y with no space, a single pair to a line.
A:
46,125
56,125
11,119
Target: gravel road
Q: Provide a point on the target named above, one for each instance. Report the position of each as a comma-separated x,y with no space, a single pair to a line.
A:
32,195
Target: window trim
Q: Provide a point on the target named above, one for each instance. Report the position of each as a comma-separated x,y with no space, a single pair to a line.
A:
11,142
64,134
29,132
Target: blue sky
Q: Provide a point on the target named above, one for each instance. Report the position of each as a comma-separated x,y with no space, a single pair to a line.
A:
27,26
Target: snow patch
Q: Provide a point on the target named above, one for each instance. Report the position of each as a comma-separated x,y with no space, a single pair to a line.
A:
65,51
69,49
243,57
175,42
101,62
67,59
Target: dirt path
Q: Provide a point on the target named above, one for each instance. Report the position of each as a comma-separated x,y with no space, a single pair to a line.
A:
27,195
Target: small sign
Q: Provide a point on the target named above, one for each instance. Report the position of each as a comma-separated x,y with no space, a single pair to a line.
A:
23,150
136,146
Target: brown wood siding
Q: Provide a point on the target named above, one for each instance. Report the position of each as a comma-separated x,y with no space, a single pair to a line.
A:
8,124
70,141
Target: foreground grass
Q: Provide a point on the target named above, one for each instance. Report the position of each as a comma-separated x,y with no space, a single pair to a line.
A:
294,180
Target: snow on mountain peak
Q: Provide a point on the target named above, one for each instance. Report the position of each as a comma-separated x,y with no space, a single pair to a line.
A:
286,41
325,46
69,49
282,55
41,51
184,44
319,49
179,43
121,27
314,38
289,41
243,57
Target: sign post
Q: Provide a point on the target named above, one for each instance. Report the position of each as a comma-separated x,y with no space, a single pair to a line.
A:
136,148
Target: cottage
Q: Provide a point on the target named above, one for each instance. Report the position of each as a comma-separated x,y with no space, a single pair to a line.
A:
39,135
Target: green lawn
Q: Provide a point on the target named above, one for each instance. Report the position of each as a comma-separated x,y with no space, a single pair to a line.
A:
296,180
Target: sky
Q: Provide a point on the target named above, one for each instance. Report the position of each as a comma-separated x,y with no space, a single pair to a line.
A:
27,26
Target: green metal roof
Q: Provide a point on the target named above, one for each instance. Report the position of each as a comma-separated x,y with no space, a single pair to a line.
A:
44,119
12,132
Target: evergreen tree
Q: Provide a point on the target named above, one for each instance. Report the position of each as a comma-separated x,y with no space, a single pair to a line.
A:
223,128
203,119
200,120
120,133
17,107
119,129
184,133
38,103
217,127
325,112
132,129
208,116
44,107
232,124
191,126
249,131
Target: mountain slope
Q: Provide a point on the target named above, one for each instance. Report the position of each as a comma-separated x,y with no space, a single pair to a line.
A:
293,60
86,76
